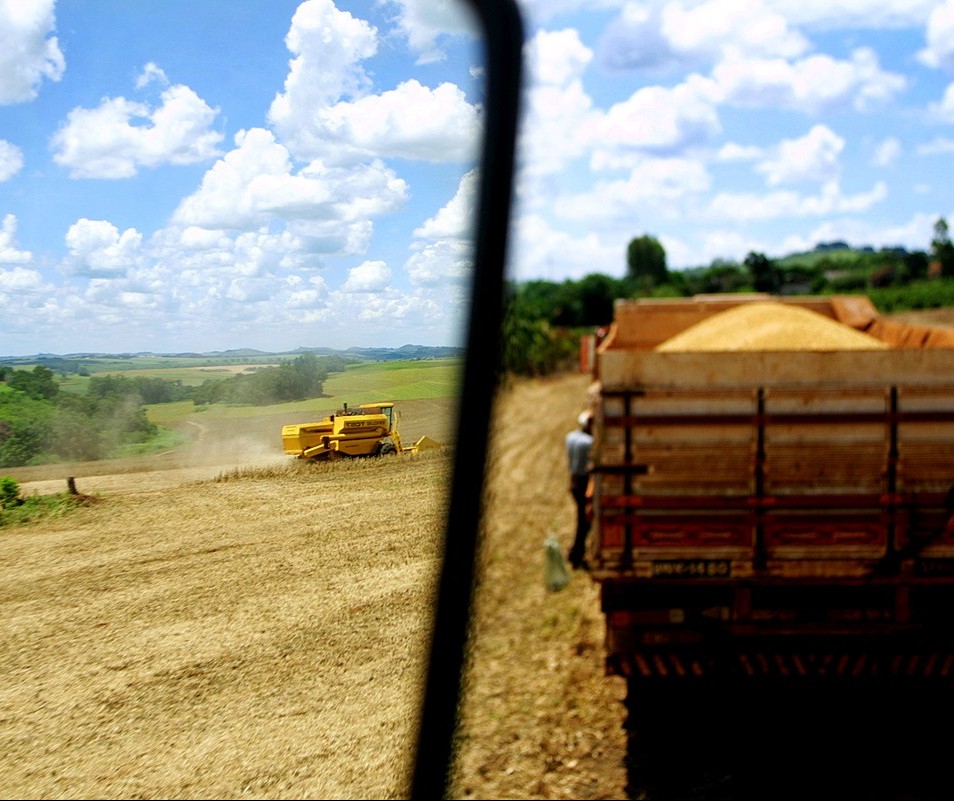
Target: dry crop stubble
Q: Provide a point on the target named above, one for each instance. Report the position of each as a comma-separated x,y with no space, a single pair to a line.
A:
260,635
256,637
539,718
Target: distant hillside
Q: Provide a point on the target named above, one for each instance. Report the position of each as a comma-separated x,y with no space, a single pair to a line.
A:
836,253
54,361
405,352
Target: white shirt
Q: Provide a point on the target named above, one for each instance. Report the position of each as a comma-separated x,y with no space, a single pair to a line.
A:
578,445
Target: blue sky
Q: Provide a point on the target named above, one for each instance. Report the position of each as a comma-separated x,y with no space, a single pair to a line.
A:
200,176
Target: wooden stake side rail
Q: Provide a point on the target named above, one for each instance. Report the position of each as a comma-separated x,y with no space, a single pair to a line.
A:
845,501
767,473
763,419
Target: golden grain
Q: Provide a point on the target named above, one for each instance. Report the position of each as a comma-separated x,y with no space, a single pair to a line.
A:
769,326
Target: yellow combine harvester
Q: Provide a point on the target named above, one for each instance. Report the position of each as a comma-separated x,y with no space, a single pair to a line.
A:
369,430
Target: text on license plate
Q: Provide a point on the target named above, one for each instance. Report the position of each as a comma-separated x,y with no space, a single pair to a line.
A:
692,568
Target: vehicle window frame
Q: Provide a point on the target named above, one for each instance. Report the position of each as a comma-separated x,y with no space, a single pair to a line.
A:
502,31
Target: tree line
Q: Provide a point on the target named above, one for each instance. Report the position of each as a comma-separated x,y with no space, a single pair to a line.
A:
543,319
41,423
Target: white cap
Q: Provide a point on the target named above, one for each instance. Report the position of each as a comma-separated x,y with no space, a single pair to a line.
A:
584,419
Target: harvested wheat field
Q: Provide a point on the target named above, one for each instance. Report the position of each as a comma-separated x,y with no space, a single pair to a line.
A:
257,629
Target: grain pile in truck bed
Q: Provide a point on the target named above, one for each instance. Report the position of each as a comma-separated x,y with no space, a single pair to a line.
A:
769,326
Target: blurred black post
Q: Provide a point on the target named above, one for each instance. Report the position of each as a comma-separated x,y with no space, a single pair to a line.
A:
503,42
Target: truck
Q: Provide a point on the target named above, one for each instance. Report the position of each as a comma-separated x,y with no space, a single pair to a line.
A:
772,513
370,429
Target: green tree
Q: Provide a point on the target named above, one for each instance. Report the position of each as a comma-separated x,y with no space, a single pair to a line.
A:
916,265
547,300
941,248
24,428
646,262
764,273
301,378
39,383
597,294
531,346
720,276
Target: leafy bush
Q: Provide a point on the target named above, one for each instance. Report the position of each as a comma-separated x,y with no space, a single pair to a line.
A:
9,492
38,383
937,294
24,427
38,507
37,427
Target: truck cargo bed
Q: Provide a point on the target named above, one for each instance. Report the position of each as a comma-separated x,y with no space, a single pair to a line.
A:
784,511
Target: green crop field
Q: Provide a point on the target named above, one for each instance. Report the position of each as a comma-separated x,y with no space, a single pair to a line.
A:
193,376
360,383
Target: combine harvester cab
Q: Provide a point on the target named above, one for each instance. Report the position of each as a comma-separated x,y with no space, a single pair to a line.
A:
371,429
774,510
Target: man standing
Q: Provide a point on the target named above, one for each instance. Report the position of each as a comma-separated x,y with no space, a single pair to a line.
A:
579,443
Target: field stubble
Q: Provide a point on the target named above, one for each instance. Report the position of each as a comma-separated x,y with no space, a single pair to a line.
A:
224,624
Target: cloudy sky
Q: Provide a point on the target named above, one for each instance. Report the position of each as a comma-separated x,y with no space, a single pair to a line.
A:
269,174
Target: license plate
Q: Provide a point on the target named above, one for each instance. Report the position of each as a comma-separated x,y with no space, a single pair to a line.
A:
934,567
692,568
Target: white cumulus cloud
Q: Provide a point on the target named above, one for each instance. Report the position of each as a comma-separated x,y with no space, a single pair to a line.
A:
256,183
672,34
370,276
441,262
10,252
557,109
556,58
327,110
443,246
544,251
424,22
887,151
940,37
813,157
944,109
328,46
815,84
411,121
29,53
829,200
454,220
11,160
19,280
152,72
119,136
97,248
660,120
665,184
